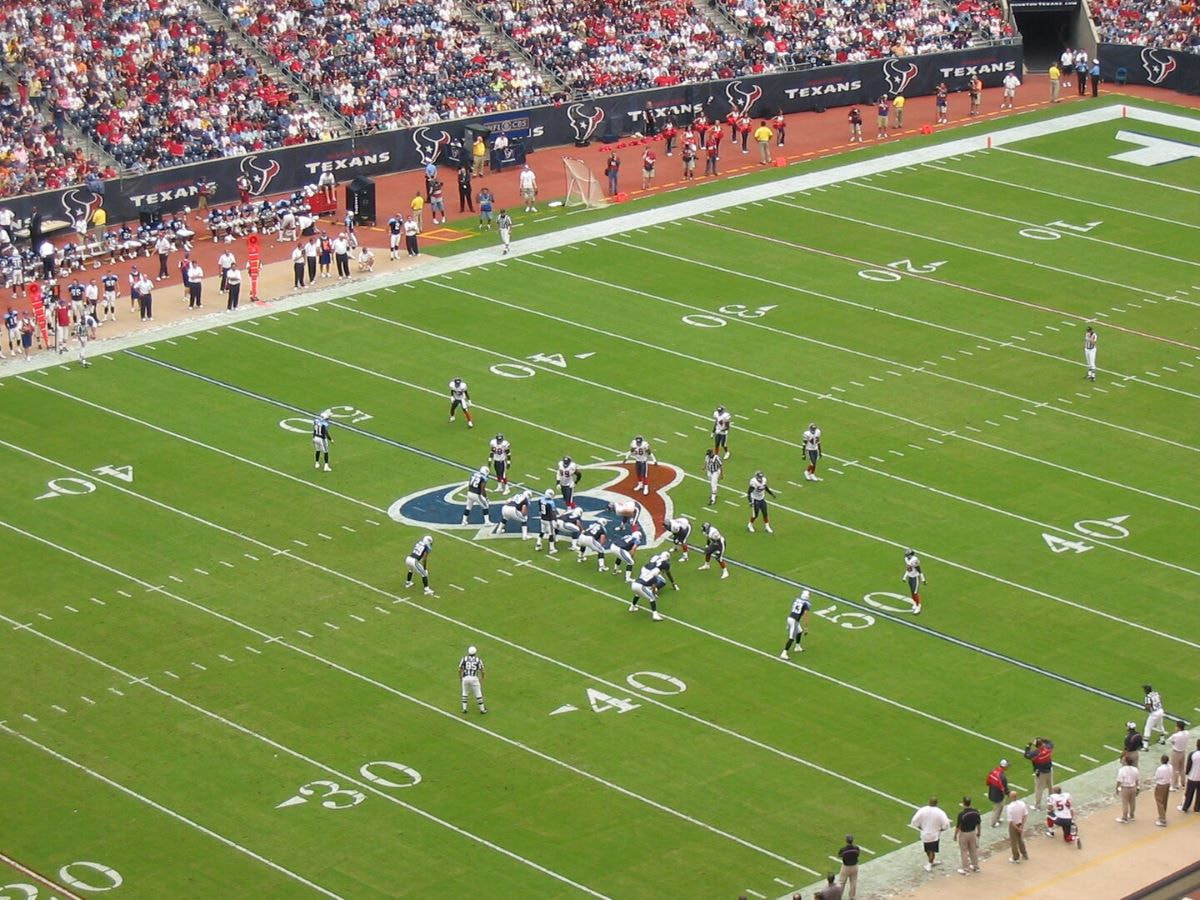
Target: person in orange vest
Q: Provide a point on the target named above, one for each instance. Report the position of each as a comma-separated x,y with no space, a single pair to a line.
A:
1040,754
997,788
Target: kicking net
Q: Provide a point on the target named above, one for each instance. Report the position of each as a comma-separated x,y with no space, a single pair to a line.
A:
583,188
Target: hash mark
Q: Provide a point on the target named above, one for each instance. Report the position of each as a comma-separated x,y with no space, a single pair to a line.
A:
945,356
983,347
29,717
197,665
224,657
890,838
124,593
891,372
1029,412
731,503
457,588
797,399
98,600
57,708
88,700
503,572
386,612
46,617
917,447
875,378
324,536
1089,758
795,484
170,674
299,543
176,578
681,434
201,571
1014,418
878,459
840,390
371,522
113,690
357,618
858,384
969,428
303,634
480,580
70,608
253,650
786,884
250,556
835,471
228,565
331,625
966,352
348,528
895,452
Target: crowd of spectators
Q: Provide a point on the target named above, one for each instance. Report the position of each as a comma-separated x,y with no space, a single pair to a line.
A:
808,32
149,80
390,63
609,46
1171,24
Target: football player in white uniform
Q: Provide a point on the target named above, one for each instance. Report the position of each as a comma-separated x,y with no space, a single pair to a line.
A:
515,510
720,430
714,470
594,538
321,440
568,475
812,450
627,511
1060,812
714,548
501,453
645,587
914,578
477,495
460,397
680,530
642,456
756,496
548,521
797,624
418,562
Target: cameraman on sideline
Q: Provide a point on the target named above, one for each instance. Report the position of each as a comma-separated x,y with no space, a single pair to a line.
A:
1040,753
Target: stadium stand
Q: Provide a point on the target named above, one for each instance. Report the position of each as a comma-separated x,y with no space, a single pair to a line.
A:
391,63
610,46
1169,24
803,32
151,82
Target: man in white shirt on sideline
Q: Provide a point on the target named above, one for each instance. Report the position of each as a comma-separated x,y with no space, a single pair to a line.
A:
930,820
1011,83
1127,785
1178,742
1163,776
1017,813
528,182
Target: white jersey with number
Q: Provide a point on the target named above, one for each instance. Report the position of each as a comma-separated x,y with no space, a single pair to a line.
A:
1060,806
912,566
812,439
680,527
566,474
641,452
758,488
500,450
458,390
1153,701
721,422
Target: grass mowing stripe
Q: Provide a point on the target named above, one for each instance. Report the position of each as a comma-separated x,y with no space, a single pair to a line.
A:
1015,185
519,745
622,600
913,422
753,323
179,817
1065,232
1126,622
903,622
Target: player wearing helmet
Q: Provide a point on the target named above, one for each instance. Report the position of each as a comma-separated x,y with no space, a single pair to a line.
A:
756,496
568,475
720,430
797,624
714,548
477,495
418,563
460,397
321,440
642,456
812,451
914,578
515,510
548,518
500,452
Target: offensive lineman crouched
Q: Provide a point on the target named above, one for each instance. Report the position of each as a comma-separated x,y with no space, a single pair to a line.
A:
624,548
594,537
477,495
645,587
515,510
418,562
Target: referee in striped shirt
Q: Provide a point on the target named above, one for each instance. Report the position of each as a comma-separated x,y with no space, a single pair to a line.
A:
470,673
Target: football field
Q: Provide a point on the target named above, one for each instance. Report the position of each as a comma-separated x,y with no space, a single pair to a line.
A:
218,684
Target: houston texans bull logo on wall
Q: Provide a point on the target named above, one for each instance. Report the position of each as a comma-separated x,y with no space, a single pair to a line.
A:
441,507
899,75
742,98
261,173
584,124
1158,65
78,204
429,143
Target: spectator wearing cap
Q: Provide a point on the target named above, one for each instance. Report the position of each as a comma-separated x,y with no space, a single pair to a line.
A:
1133,744
1017,814
848,876
1127,785
966,832
997,790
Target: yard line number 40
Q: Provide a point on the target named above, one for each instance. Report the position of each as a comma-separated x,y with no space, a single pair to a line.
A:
1110,529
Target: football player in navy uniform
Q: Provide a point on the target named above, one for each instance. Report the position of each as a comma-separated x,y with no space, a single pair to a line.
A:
662,562
570,525
680,530
914,578
568,475
548,517
515,510
395,227
321,440
797,624
714,548
460,397
594,538
418,562
642,456
625,547
110,283
720,430
645,587
477,495
501,453
756,496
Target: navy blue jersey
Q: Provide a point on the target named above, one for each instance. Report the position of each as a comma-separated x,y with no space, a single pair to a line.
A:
478,483
547,509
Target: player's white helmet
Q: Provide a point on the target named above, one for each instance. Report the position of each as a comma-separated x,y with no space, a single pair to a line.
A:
470,651
483,470
549,495
325,415
705,527
427,540
804,594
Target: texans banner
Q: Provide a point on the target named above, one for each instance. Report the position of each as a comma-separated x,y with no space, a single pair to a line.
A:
603,486
1169,69
274,172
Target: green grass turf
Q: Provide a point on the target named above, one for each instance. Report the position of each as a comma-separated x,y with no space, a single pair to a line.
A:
198,643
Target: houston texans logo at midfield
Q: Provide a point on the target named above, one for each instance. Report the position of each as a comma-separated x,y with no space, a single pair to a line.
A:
1158,65
742,98
584,125
261,173
79,204
429,143
899,75
441,507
